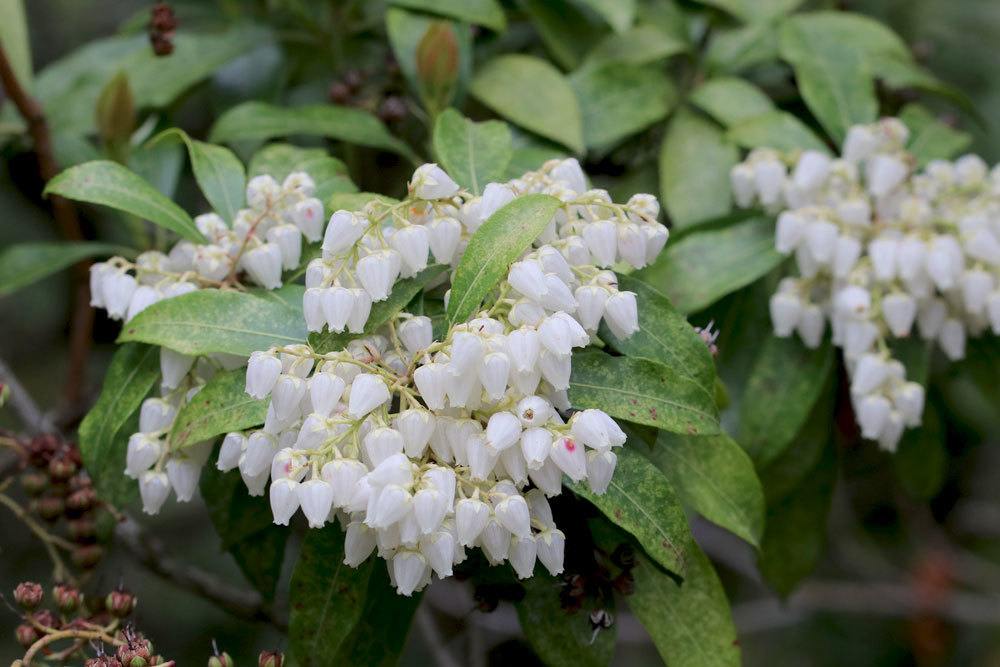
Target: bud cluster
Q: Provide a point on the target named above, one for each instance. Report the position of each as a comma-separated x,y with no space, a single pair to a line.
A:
264,240
421,445
882,249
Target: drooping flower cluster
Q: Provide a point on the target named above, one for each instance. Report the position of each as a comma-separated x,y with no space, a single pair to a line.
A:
423,446
883,249
264,240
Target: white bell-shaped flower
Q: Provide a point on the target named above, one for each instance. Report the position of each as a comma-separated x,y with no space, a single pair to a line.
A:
308,217
343,231
288,238
569,455
183,474
551,546
359,543
263,263
316,499
600,468
444,235
431,182
230,451
378,272
368,391
622,314
154,487
140,454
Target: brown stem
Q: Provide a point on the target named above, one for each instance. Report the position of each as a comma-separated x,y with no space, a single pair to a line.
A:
82,321
66,634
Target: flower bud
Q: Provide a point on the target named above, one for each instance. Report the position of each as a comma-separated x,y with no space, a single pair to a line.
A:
67,598
26,635
28,595
119,603
221,660
34,483
271,659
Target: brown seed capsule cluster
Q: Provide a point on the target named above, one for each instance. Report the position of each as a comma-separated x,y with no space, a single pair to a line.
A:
62,494
381,94
162,25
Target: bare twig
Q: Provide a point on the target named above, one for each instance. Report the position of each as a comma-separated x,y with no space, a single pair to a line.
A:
152,554
82,321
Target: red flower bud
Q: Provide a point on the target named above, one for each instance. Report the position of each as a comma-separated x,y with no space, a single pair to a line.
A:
87,556
26,635
61,468
220,660
28,594
67,598
82,500
34,483
81,529
119,603
50,508
271,659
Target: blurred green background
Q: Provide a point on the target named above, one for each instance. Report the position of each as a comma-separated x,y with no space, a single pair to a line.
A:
956,39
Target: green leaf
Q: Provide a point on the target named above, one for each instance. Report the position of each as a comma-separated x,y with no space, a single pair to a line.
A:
618,100
735,50
259,120
619,14
641,501
244,524
402,293
131,376
930,139
497,244
487,13
369,643
562,638
714,477
690,624
220,407
15,40
641,45
110,184
664,335
731,100
643,391
328,595
279,160
754,11
565,30
207,321
532,93
795,535
474,154
695,161
921,461
219,173
69,87
831,55
786,381
24,263
776,129
700,267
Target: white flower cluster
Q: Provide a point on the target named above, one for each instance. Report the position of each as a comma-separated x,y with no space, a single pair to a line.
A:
881,247
264,240
419,447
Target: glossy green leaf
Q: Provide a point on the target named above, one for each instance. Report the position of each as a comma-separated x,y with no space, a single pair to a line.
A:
753,11
690,624
695,160
211,320
110,184
699,268
930,139
776,129
497,244
731,100
402,293
795,535
133,373
24,263
618,100
487,13
714,477
785,383
734,50
328,596
15,40
474,154
640,45
641,501
562,638
664,335
643,391
532,93
219,173
70,86
564,29
619,14
260,120
279,160
220,407
245,527
921,460
830,53
369,643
